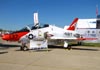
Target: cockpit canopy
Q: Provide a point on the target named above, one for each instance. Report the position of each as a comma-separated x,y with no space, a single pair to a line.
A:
39,26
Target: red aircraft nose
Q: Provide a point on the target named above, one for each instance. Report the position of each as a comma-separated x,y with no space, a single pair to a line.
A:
5,37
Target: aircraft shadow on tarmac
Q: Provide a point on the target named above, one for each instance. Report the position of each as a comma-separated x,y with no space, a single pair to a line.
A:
76,48
86,49
3,52
36,50
6,46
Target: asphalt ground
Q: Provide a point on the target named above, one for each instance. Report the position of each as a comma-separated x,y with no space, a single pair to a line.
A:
79,58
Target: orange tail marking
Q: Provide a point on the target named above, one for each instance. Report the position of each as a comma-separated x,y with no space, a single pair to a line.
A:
73,24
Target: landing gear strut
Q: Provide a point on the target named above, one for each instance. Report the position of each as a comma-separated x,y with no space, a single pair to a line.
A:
66,46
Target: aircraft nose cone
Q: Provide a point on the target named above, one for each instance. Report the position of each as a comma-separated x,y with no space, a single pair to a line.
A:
5,37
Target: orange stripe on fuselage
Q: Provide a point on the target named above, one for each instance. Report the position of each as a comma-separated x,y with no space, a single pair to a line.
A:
13,36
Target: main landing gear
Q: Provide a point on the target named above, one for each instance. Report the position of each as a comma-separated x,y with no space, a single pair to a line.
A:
66,46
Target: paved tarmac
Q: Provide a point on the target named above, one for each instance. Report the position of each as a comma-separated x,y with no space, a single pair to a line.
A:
79,58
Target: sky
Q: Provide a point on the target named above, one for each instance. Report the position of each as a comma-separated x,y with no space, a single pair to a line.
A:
16,14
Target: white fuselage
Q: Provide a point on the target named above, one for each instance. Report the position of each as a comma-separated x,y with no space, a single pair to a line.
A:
57,34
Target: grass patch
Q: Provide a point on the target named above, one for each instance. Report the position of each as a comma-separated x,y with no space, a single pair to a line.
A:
91,44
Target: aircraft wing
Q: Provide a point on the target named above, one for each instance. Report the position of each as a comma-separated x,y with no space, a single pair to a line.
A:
63,38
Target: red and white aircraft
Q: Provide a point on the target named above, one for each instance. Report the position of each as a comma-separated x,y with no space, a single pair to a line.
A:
42,35
55,35
38,33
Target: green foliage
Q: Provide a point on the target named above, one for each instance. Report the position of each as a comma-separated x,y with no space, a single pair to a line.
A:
91,44
1,30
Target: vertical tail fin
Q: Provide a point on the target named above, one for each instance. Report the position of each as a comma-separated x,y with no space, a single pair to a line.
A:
36,20
72,25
